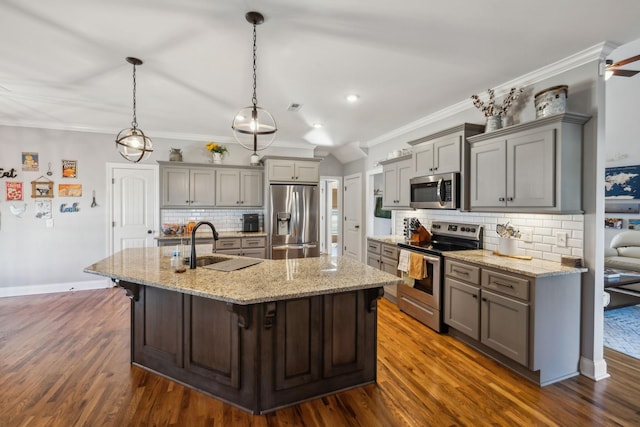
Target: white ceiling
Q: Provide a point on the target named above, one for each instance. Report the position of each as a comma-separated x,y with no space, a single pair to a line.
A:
63,67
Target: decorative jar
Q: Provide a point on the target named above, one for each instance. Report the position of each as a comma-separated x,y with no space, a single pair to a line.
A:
217,158
493,123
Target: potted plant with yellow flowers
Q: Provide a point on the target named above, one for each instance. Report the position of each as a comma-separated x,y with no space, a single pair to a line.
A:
218,150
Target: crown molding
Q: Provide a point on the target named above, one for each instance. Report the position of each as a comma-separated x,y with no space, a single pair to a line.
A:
597,52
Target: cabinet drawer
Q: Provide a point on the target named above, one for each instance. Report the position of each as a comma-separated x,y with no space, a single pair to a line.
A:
390,251
373,247
505,284
233,243
466,272
416,308
236,252
254,242
254,252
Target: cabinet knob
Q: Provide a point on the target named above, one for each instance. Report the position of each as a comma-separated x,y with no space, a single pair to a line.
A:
186,201
293,177
510,199
475,296
430,169
435,169
501,199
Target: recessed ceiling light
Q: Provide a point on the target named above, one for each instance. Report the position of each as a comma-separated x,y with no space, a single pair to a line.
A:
317,125
353,97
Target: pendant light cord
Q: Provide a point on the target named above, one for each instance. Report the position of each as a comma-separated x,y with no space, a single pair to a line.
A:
134,123
255,97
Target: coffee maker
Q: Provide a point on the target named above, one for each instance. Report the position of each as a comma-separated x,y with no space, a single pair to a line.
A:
250,223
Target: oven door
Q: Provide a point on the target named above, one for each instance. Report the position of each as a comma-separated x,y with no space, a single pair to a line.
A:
427,290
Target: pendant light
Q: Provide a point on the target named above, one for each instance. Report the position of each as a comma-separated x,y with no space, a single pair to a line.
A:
253,127
132,143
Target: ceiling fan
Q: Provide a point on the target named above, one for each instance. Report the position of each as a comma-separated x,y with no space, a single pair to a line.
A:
612,69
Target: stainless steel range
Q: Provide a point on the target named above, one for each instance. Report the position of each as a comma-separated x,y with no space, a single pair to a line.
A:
422,297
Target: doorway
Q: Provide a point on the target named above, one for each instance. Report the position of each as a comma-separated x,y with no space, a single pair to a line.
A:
330,214
133,198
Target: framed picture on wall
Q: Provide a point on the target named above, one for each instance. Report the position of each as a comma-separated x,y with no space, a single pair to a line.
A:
14,190
613,223
622,182
69,190
69,168
30,162
42,189
379,212
634,224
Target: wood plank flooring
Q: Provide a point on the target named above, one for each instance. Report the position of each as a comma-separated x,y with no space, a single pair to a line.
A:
64,361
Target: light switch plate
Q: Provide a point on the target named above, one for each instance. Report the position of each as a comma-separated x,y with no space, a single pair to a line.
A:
561,239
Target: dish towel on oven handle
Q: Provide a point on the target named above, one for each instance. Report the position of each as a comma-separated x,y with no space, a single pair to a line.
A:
403,261
417,266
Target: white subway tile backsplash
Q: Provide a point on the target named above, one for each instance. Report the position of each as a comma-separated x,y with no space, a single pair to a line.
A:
222,219
543,229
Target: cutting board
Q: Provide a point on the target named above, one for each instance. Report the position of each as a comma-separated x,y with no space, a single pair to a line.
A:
233,264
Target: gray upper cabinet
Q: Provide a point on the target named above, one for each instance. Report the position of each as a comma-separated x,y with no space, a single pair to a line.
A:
439,156
531,167
445,152
293,170
396,174
238,188
183,187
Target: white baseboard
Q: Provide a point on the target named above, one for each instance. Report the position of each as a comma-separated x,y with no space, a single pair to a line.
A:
15,291
594,369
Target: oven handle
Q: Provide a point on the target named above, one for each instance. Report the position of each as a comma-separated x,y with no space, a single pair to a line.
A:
433,260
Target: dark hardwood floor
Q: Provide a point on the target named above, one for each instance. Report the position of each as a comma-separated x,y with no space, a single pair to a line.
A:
64,361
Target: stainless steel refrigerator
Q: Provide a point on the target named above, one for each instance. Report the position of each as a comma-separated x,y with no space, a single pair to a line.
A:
293,221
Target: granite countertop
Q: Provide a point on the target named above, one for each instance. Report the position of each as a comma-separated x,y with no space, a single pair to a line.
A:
208,235
532,268
394,240
271,280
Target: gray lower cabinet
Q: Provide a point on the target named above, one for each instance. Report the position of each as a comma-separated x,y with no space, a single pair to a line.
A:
534,322
254,247
384,256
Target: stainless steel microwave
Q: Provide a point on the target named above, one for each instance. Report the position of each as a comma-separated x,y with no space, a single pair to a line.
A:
435,191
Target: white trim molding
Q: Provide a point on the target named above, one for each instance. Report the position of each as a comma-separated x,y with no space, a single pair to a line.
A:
15,291
594,369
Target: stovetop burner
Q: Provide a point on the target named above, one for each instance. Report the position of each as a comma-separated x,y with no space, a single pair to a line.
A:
449,236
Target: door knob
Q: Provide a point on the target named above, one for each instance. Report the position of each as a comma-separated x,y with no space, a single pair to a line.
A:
357,226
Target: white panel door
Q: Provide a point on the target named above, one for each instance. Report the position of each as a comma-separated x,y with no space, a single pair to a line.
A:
134,206
353,216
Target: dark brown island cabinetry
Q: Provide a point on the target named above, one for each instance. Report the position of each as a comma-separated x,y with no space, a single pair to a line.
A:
259,357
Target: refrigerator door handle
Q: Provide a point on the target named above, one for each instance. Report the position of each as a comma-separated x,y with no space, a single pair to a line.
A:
311,245
286,247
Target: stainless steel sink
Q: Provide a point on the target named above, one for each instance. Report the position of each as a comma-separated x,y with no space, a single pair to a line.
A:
201,261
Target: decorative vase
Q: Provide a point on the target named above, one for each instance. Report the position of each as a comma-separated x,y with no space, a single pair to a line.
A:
217,158
493,123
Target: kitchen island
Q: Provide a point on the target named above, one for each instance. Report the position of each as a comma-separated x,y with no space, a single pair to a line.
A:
260,338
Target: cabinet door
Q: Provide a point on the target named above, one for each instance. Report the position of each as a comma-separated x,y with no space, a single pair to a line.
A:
405,173
531,169
251,188
373,260
307,172
423,159
505,326
461,307
281,170
446,154
203,186
228,188
390,186
488,174
175,187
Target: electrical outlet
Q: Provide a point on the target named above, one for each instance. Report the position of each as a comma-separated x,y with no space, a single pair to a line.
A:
561,240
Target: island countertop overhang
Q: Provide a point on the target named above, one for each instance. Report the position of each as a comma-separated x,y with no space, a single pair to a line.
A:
270,280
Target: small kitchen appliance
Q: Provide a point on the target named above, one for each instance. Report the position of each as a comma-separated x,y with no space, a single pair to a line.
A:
423,298
250,223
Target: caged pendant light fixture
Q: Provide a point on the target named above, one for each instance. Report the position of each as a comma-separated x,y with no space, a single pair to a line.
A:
132,143
253,127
